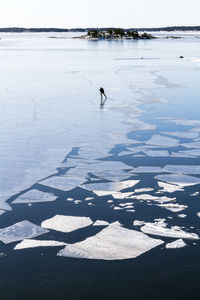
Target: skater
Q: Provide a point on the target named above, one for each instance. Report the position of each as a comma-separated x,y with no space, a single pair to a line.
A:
102,92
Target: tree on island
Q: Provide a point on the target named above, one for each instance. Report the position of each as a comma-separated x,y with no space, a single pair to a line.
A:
119,31
93,33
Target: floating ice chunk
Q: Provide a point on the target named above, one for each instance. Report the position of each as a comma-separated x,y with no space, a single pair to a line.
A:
174,207
160,140
5,206
20,231
146,169
38,243
117,208
131,210
119,195
198,214
195,144
110,201
66,223
194,194
101,223
178,154
2,212
156,229
170,188
125,204
138,223
183,134
63,183
145,197
113,175
89,198
193,152
122,153
143,190
182,216
34,196
157,153
179,179
176,244
111,186
70,199
112,243
183,169
129,207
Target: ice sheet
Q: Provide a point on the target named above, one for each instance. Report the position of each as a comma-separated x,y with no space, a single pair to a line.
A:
34,196
120,195
183,134
5,206
20,231
63,183
66,223
147,197
160,140
176,244
147,169
169,188
174,207
183,169
101,223
179,179
37,243
157,153
111,186
112,243
155,229
142,190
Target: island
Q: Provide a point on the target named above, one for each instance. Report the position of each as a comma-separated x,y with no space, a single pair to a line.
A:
115,34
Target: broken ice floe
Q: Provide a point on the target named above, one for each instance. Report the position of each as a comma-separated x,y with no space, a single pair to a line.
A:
179,179
120,195
156,229
20,231
34,196
143,190
5,206
176,244
182,216
111,186
112,243
66,223
198,214
138,223
174,207
147,169
63,183
183,134
157,153
183,169
170,188
101,223
147,197
37,243
160,140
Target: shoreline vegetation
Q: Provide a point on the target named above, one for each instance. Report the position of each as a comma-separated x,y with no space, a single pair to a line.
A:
115,34
171,28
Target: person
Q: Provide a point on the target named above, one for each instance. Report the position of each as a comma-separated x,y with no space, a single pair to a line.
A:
102,92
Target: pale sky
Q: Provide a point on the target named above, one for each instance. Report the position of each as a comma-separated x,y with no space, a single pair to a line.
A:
92,13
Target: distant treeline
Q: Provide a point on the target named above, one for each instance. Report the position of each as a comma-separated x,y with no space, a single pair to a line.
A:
171,28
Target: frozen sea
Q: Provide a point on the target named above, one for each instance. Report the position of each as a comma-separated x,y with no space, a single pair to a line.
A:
99,201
